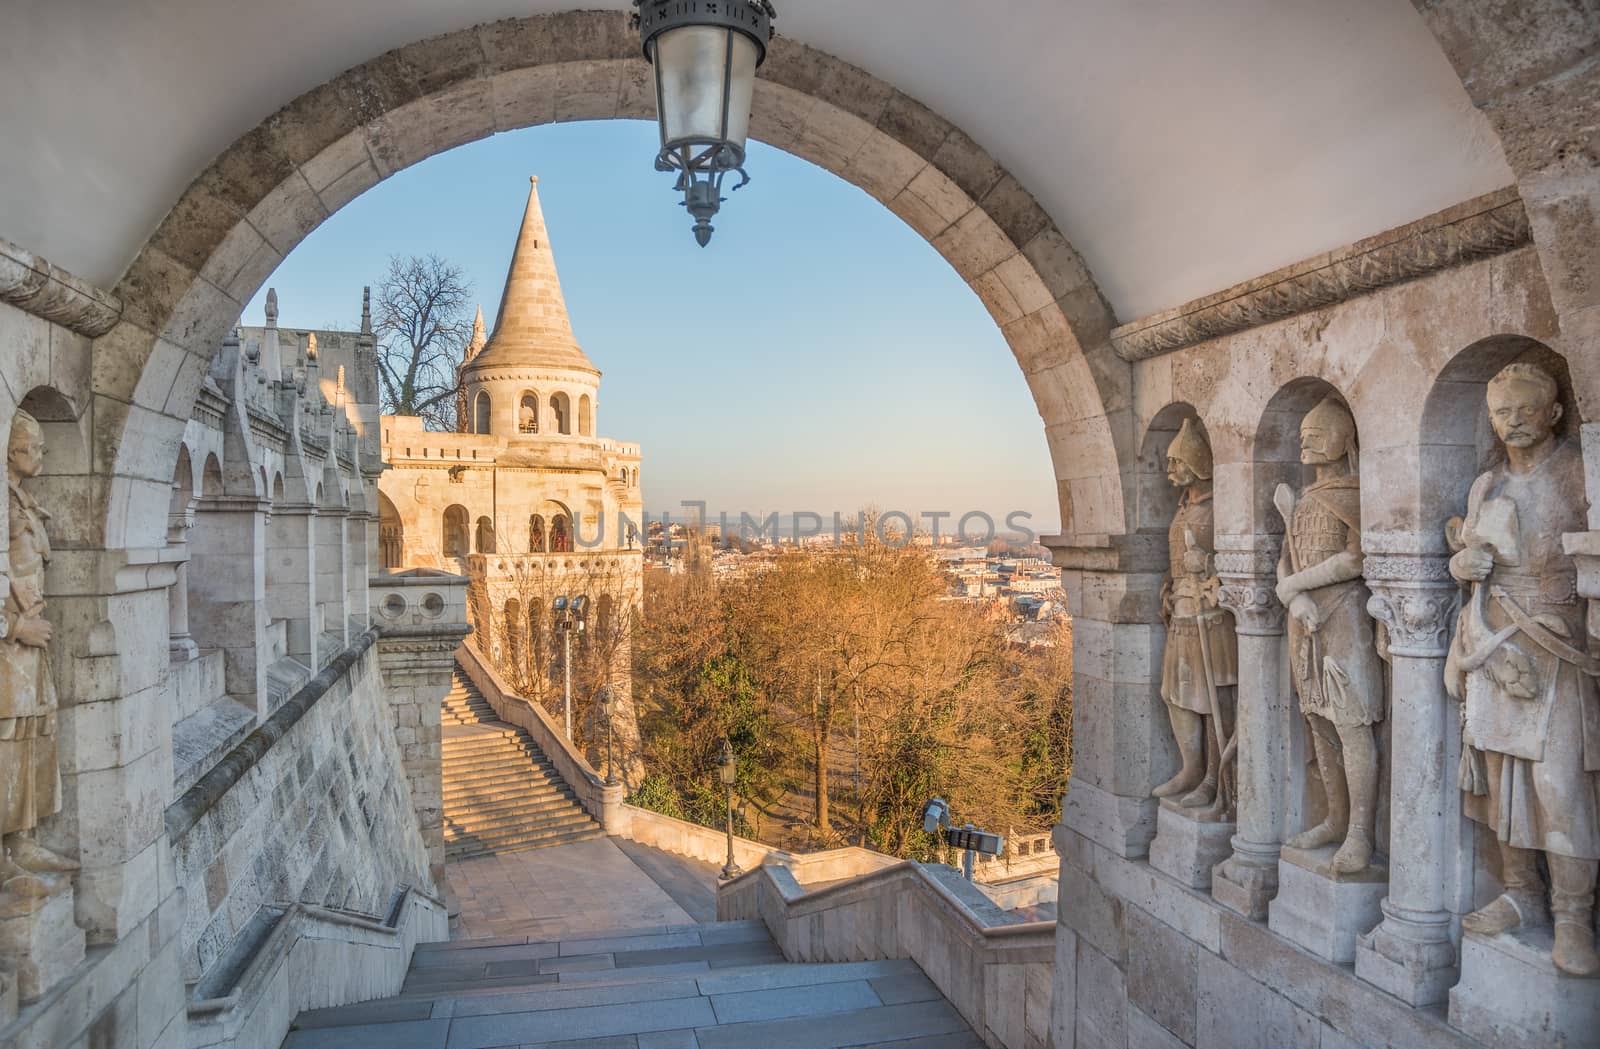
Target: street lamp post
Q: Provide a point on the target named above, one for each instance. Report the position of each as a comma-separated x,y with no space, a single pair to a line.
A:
704,55
728,768
607,708
569,616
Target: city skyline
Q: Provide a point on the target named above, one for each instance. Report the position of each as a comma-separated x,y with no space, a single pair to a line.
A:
931,417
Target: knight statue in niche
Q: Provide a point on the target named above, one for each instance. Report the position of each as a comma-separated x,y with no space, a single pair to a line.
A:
1519,662
1200,666
1332,658
30,783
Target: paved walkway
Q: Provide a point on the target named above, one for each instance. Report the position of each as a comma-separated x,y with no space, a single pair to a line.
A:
602,883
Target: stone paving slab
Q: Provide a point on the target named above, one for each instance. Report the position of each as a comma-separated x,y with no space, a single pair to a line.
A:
381,1011
484,1032
422,1034
577,963
781,1002
906,1023
714,955
790,974
561,996
479,955
907,987
669,1040
618,944
638,974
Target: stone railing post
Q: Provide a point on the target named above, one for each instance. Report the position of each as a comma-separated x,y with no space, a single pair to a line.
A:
1410,954
422,618
1246,881
181,645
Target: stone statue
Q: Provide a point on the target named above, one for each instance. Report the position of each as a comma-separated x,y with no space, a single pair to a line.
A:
1333,662
30,784
1531,738
1200,667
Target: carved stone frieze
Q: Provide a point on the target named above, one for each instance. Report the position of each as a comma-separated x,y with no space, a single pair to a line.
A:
1489,225
33,284
1259,563
1406,568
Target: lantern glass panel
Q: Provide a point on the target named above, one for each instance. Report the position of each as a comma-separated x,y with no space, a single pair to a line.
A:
691,70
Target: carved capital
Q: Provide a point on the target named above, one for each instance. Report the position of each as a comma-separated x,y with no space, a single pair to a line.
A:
1255,606
1416,599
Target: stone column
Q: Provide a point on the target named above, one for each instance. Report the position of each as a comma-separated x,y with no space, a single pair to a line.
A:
291,578
422,620
333,618
1123,745
1410,954
228,554
181,646
1246,881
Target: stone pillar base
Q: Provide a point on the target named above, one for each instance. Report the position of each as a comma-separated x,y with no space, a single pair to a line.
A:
1246,882
1512,996
1186,848
42,946
1410,956
1323,911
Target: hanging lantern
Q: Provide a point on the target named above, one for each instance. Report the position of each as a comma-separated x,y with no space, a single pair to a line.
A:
704,54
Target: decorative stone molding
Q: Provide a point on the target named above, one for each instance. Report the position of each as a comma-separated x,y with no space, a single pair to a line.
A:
33,284
1489,225
1416,599
1260,562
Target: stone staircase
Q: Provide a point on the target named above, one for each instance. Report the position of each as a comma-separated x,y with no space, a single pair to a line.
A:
713,985
501,794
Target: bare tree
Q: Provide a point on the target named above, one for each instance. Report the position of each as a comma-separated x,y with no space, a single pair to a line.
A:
423,327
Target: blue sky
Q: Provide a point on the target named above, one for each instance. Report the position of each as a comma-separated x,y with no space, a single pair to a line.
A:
819,355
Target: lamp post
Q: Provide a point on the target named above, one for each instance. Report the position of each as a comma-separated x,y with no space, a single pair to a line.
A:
728,768
607,708
704,54
569,616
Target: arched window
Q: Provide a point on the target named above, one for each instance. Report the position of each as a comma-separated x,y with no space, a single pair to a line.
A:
585,416
211,479
480,412
560,534
485,538
456,527
391,534
536,539
528,413
560,413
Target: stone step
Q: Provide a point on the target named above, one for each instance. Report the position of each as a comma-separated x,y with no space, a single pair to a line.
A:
517,765
470,847
530,805
506,750
514,822
510,780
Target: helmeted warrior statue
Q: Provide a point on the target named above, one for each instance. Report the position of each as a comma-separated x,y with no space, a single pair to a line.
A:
1332,657
30,784
1200,667
1519,661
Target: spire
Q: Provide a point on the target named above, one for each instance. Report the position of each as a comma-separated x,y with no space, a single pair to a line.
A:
271,354
366,310
478,337
532,327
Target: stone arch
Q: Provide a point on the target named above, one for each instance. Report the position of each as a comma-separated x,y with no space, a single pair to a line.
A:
1459,442
1156,500
277,182
1275,447
483,536
560,412
537,539
182,482
391,535
211,479
277,486
528,412
585,416
456,531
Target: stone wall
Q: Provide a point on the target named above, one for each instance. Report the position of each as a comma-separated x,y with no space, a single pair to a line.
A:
320,815
1178,933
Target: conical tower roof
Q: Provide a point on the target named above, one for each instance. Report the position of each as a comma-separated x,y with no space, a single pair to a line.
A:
532,328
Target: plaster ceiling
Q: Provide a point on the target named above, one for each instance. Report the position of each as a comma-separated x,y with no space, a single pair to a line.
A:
1181,146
